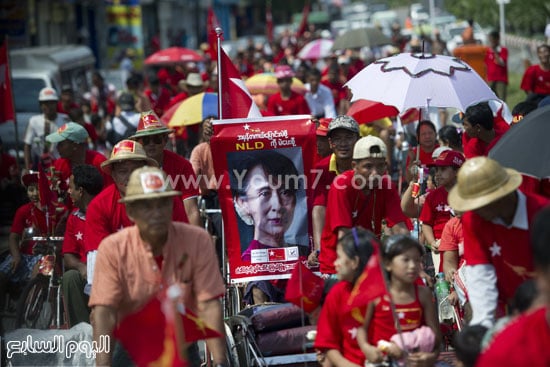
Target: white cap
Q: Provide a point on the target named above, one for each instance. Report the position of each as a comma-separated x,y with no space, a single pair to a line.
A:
47,94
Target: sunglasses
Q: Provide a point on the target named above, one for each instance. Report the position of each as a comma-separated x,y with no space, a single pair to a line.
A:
156,139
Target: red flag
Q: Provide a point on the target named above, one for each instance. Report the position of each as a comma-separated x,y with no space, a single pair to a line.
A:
304,288
370,284
211,24
150,334
268,22
276,254
236,99
7,112
411,115
303,24
46,194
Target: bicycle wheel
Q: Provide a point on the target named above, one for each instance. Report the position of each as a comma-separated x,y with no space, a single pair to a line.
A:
34,309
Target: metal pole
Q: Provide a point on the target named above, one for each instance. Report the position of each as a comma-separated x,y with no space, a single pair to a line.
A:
219,35
502,22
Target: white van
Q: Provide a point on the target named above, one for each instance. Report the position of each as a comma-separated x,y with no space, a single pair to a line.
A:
37,67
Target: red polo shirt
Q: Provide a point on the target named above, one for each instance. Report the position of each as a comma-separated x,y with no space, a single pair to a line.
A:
295,105
73,241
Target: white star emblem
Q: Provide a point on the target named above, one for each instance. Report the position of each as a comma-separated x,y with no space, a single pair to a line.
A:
246,127
353,333
440,208
78,236
354,214
495,249
271,253
401,315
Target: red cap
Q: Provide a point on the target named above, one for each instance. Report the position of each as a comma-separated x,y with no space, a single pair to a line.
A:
449,158
322,129
30,178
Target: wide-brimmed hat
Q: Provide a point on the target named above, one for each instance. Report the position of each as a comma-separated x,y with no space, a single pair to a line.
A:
480,182
148,183
194,80
69,131
29,178
127,150
150,124
369,147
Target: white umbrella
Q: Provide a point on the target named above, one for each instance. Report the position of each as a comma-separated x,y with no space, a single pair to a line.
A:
316,49
420,80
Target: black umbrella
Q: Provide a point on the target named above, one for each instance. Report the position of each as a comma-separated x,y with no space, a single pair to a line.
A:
526,146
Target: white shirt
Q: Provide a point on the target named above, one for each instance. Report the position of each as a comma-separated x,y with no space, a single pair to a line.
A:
34,135
120,128
322,102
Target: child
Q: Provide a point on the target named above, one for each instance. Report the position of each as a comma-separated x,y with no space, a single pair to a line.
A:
413,305
336,328
436,211
467,344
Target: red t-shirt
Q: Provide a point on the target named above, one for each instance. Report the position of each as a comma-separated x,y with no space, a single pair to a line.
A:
105,215
474,147
348,206
508,250
296,104
320,192
496,72
524,342
28,215
73,242
337,329
181,172
536,80
436,210
93,158
159,102
382,327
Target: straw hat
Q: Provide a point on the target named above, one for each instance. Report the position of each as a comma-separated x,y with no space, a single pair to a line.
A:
150,124
148,183
126,150
480,182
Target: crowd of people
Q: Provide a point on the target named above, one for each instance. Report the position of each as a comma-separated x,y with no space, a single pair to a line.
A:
108,156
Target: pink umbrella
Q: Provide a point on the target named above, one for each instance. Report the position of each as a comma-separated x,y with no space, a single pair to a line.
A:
316,49
173,55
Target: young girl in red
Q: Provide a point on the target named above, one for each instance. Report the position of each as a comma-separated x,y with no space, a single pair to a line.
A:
337,327
414,307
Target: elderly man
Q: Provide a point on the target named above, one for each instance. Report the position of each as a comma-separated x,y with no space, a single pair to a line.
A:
105,214
496,224
152,134
163,254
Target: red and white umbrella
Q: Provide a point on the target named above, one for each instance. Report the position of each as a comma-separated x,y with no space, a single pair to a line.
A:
173,55
316,49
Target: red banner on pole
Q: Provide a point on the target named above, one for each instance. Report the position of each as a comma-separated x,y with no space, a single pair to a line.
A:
266,176
303,24
7,110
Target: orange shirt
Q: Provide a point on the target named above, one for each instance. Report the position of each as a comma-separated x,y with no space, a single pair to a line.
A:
126,274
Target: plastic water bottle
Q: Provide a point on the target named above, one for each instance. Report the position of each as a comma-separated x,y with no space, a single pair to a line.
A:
441,293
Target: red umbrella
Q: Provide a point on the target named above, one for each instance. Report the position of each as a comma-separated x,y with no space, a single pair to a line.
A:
365,111
173,55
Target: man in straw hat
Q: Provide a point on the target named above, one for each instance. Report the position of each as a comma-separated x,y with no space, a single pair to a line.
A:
496,223
152,134
159,259
105,215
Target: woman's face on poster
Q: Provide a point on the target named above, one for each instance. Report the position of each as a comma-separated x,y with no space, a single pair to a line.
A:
269,203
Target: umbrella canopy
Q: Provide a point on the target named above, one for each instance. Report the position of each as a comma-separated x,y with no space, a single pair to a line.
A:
316,49
266,83
420,80
365,111
173,55
525,146
192,110
361,37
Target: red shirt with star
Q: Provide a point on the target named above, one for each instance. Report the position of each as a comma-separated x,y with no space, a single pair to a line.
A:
348,206
337,329
507,249
436,211
523,342
105,215
73,241
296,104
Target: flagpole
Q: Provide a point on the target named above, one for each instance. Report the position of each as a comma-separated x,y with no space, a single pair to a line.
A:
12,103
219,34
